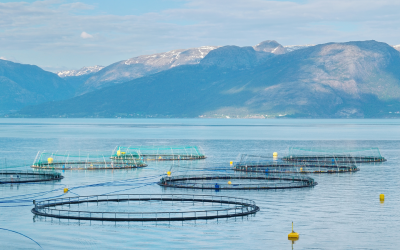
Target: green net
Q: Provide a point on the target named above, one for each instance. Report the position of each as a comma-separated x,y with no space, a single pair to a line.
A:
264,164
84,160
268,165
360,155
159,152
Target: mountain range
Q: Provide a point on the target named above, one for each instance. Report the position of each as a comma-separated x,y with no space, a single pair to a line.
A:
23,85
123,71
334,80
140,66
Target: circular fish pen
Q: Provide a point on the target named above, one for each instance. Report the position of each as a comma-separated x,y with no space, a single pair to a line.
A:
296,168
145,207
159,153
263,164
15,176
230,182
357,155
83,161
339,158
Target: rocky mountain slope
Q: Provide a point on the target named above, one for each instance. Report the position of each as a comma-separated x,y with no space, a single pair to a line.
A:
354,79
23,84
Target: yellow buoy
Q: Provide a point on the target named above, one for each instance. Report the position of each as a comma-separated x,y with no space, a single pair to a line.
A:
275,154
382,197
123,153
65,190
231,162
119,152
301,169
229,182
293,235
169,173
50,160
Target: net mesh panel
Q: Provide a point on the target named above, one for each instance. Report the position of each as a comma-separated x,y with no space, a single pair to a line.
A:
84,160
160,152
317,154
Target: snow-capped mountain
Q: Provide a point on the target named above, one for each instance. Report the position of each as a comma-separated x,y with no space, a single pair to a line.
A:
144,65
290,48
80,72
172,58
270,46
139,66
397,47
93,78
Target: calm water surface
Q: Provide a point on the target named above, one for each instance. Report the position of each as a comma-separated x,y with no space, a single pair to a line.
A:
342,212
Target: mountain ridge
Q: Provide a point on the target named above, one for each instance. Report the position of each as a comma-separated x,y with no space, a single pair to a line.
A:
144,65
24,84
333,80
140,66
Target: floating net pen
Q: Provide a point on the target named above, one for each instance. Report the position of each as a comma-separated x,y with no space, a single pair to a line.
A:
145,207
262,164
80,160
311,154
159,153
237,182
16,176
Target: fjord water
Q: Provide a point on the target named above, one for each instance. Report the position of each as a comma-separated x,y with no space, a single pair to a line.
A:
342,212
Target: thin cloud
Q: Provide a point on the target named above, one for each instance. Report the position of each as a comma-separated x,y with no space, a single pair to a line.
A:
49,27
85,35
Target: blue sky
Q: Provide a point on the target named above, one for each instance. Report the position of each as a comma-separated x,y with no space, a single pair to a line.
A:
67,34
120,7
